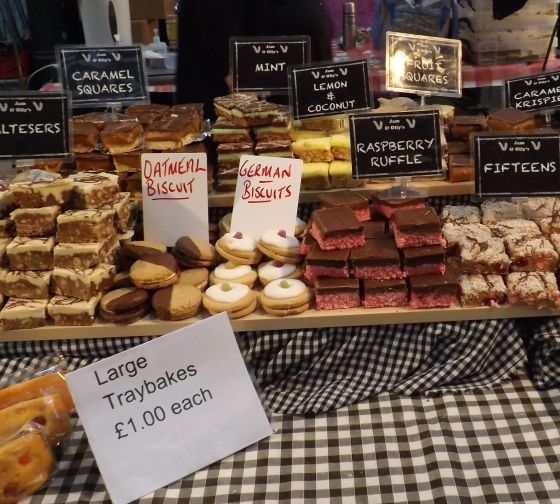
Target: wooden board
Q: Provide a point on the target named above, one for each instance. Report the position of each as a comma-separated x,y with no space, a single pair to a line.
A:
259,321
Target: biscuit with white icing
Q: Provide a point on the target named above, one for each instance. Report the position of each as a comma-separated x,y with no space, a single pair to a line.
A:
285,297
238,248
236,299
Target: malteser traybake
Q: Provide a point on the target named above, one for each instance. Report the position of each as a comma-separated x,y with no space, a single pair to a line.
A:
82,284
84,226
92,190
19,313
68,311
35,221
43,193
30,254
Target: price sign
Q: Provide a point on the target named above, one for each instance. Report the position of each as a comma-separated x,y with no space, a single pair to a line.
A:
34,125
267,192
261,63
330,89
174,196
531,94
162,410
100,75
395,145
517,165
423,65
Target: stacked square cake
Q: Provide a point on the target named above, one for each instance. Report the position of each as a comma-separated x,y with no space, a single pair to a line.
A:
65,245
246,125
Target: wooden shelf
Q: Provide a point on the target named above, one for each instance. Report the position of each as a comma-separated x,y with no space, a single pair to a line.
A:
259,321
425,189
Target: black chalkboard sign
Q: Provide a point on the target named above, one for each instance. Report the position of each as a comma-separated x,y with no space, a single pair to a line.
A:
329,89
396,144
537,92
423,65
261,63
517,165
101,75
34,125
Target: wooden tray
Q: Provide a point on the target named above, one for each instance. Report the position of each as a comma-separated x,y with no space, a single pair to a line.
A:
259,321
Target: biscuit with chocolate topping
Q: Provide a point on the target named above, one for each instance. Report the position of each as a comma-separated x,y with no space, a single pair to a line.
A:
155,271
177,302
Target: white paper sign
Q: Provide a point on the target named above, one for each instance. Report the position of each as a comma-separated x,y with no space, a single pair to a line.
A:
162,410
266,194
174,196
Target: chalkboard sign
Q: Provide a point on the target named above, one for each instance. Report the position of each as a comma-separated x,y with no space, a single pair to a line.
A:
423,65
329,89
261,63
517,165
34,125
395,145
537,92
101,75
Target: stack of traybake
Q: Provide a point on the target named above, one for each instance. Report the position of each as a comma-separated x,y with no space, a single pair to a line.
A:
62,256
247,125
323,143
353,259
108,142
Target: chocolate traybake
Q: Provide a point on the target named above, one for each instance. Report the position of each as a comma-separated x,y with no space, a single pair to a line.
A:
384,293
337,228
337,293
416,227
433,291
326,263
377,259
356,202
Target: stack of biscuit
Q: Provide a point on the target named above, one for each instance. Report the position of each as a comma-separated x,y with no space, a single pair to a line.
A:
152,278
62,257
246,125
323,143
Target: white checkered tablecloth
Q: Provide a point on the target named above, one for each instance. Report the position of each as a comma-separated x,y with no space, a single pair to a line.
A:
496,446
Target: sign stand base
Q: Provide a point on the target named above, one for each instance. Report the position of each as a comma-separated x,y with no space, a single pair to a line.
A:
423,97
114,108
400,190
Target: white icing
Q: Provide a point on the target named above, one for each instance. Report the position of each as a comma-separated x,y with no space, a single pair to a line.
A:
236,293
271,237
274,291
231,273
272,270
244,244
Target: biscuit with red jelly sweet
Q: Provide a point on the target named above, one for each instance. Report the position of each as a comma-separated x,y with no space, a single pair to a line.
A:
281,246
238,248
275,270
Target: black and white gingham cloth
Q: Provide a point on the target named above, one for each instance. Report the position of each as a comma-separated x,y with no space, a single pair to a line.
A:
493,446
543,345
316,370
